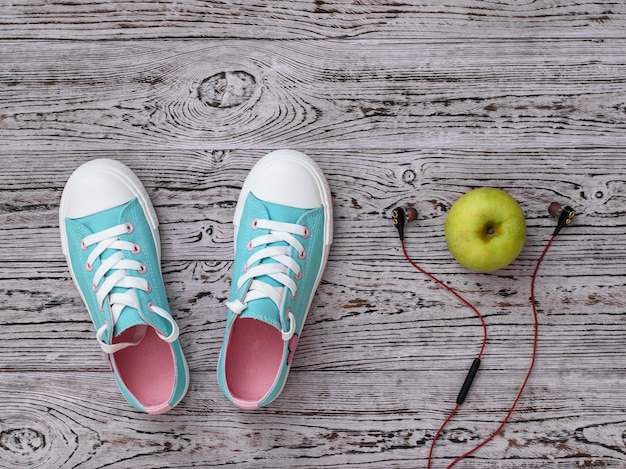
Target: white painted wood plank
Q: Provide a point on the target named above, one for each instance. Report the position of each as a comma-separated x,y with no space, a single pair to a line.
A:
403,322
483,94
194,195
322,419
299,19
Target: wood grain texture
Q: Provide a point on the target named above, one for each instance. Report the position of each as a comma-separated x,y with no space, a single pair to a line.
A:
399,103
306,19
381,424
361,94
195,192
386,348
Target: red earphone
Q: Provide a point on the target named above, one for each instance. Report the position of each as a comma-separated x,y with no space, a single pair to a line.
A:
401,216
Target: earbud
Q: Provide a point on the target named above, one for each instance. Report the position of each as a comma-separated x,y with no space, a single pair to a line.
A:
564,215
401,216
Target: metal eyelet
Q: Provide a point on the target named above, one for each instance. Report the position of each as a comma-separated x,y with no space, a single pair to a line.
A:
136,249
302,255
306,232
129,227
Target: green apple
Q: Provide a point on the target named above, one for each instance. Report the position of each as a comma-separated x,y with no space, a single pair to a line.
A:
485,229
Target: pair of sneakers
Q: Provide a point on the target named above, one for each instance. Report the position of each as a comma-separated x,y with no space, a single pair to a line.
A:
283,231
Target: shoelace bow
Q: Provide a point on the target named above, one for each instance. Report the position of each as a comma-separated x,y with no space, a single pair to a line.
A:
257,266
113,272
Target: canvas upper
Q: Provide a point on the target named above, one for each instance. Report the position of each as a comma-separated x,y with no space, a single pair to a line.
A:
109,233
283,232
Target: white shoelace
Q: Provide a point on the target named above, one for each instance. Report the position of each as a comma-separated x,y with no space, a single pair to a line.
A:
279,270
114,270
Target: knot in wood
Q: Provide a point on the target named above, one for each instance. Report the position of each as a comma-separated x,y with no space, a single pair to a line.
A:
227,89
409,176
599,194
218,155
22,441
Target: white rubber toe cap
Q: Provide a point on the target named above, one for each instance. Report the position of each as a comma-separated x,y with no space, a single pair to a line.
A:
96,186
99,185
288,177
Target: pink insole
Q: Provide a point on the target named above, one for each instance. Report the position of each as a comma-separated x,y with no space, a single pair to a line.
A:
253,359
147,368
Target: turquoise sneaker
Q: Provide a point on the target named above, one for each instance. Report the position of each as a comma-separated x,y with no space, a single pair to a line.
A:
109,235
283,232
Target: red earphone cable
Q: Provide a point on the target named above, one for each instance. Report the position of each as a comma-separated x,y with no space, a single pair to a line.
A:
451,290
528,373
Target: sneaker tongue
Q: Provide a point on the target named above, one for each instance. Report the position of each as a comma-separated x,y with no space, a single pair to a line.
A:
284,214
129,317
264,309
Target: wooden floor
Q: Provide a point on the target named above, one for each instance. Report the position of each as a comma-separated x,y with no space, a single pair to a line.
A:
399,103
